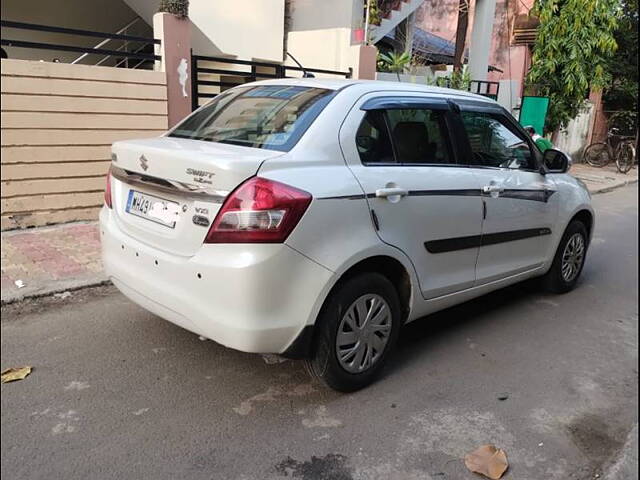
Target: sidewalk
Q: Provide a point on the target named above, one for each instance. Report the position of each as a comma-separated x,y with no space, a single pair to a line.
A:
50,259
601,180
65,257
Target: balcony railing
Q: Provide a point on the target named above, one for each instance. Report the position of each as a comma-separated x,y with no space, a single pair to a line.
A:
121,53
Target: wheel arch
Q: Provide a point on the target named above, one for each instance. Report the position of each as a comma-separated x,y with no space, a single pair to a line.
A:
392,268
586,217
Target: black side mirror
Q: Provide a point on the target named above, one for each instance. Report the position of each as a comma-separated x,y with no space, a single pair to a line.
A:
556,161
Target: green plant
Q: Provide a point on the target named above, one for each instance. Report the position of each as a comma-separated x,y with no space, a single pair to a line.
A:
395,62
374,13
458,80
621,94
574,42
461,79
179,8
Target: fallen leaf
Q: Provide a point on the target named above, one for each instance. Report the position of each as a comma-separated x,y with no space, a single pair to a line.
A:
13,374
487,460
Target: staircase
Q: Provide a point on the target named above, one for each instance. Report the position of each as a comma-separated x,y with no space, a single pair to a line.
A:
396,12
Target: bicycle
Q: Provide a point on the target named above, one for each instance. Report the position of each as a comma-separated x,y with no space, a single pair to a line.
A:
600,154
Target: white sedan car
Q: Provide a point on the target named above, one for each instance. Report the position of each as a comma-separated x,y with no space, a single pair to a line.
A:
313,218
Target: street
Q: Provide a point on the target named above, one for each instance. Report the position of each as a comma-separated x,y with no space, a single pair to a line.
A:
117,393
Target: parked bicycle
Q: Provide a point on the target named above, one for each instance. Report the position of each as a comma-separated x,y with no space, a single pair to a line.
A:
617,147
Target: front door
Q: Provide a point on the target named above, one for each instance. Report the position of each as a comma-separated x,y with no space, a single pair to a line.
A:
401,152
520,203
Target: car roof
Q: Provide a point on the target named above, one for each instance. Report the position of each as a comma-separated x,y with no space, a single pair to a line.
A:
374,86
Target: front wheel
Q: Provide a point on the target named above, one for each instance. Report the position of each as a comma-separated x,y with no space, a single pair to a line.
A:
597,155
355,332
625,156
569,259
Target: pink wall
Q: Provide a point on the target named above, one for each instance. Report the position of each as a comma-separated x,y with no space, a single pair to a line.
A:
440,17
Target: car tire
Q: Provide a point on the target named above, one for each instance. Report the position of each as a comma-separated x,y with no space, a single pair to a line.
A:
562,278
334,324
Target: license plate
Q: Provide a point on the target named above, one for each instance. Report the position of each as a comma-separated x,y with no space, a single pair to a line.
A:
149,207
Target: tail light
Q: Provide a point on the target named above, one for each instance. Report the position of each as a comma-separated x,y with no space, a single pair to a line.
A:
107,190
259,211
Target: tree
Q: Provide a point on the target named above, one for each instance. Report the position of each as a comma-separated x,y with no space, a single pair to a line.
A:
176,7
574,44
395,62
621,94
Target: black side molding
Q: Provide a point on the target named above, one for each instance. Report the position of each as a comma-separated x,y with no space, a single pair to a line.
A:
474,241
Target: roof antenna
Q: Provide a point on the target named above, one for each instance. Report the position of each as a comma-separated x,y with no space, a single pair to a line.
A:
305,74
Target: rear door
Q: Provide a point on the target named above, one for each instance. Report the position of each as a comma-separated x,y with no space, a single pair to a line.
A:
401,151
520,203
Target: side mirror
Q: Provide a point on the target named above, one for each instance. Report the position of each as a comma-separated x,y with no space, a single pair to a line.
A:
556,161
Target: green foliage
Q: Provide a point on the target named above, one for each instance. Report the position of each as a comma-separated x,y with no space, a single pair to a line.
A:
374,13
574,43
621,95
395,62
461,79
179,8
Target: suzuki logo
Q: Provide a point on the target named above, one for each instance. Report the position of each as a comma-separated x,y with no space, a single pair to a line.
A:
144,163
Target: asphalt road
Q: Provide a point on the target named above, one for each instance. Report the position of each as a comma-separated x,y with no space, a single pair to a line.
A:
120,394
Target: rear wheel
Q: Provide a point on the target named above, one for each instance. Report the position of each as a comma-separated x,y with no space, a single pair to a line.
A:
625,155
597,155
569,259
356,332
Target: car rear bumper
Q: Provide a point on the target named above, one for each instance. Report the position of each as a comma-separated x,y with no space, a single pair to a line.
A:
253,298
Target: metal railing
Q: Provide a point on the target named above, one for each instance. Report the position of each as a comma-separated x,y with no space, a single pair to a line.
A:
98,50
485,88
239,77
107,40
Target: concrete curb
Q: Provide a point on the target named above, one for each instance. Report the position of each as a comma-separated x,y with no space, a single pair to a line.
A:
609,188
52,287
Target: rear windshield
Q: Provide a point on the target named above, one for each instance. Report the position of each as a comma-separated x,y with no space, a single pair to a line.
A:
271,117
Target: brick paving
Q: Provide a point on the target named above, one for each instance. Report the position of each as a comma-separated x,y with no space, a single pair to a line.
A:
52,259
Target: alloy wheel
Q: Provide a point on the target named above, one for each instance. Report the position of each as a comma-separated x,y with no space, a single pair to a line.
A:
572,257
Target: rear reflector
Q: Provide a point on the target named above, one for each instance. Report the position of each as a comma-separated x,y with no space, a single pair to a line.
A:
259,211
107,190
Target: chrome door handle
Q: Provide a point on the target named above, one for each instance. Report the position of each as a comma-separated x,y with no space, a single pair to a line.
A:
492,189
391,192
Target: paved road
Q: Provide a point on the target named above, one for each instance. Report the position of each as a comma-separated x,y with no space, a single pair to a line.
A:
119,394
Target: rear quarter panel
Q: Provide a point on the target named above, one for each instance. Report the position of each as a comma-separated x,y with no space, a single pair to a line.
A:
337,230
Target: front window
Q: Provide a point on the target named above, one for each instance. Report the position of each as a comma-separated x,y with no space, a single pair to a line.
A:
273,117
494,144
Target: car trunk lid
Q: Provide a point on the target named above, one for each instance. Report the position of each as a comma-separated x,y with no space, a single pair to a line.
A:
166,191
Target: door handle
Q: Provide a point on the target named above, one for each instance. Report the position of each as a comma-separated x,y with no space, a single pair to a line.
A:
391,192
492,189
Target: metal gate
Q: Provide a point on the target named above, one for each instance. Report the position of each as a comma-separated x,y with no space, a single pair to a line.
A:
213,75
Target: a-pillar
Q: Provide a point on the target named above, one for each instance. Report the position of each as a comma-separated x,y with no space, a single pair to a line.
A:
174,34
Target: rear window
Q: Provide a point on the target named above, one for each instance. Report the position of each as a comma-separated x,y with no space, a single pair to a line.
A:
271,117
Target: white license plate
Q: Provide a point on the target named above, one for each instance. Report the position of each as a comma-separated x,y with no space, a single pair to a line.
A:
149,207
